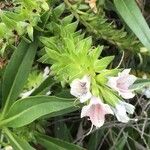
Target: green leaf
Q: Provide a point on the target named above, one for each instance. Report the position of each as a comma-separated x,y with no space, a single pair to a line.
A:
95,53
55,144
120,144
12,68
69,44
83,46
50,42
54,55
30,32
67,20
102,78
59,10
103,63
29,109
30,4
140,83
71,28
133,17
61,130
3,30
17,143
17,72
95,138
10,23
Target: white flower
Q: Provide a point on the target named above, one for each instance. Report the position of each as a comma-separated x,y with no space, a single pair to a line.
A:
121,110
80,88
146,92
96,111
8,148
46,72
48,93
122,82
26,94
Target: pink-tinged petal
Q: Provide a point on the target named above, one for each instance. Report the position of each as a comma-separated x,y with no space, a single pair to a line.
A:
96,111
80,88
122,83
95,100
97,116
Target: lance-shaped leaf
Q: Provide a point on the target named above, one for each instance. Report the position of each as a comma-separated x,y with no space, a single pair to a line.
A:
140,83
52,143
17,72
17,142
25,111
133,17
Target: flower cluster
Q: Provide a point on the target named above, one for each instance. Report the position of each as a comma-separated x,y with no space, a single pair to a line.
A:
96,107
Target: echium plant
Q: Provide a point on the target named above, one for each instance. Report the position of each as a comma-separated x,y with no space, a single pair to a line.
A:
18,112
75,61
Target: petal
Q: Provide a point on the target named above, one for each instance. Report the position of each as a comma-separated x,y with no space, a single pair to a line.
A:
112,82
85,111
97,115
86,79
120,113
147,93
8,148
74,92
26,94
131,79
98,122
46,72
108,110
74,84
124,72
127,94
85,97
80,88
129,108
95,100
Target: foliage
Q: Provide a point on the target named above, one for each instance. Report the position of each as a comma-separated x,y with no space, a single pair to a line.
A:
73,38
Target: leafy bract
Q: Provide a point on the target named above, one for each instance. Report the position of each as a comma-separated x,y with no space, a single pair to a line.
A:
72,55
